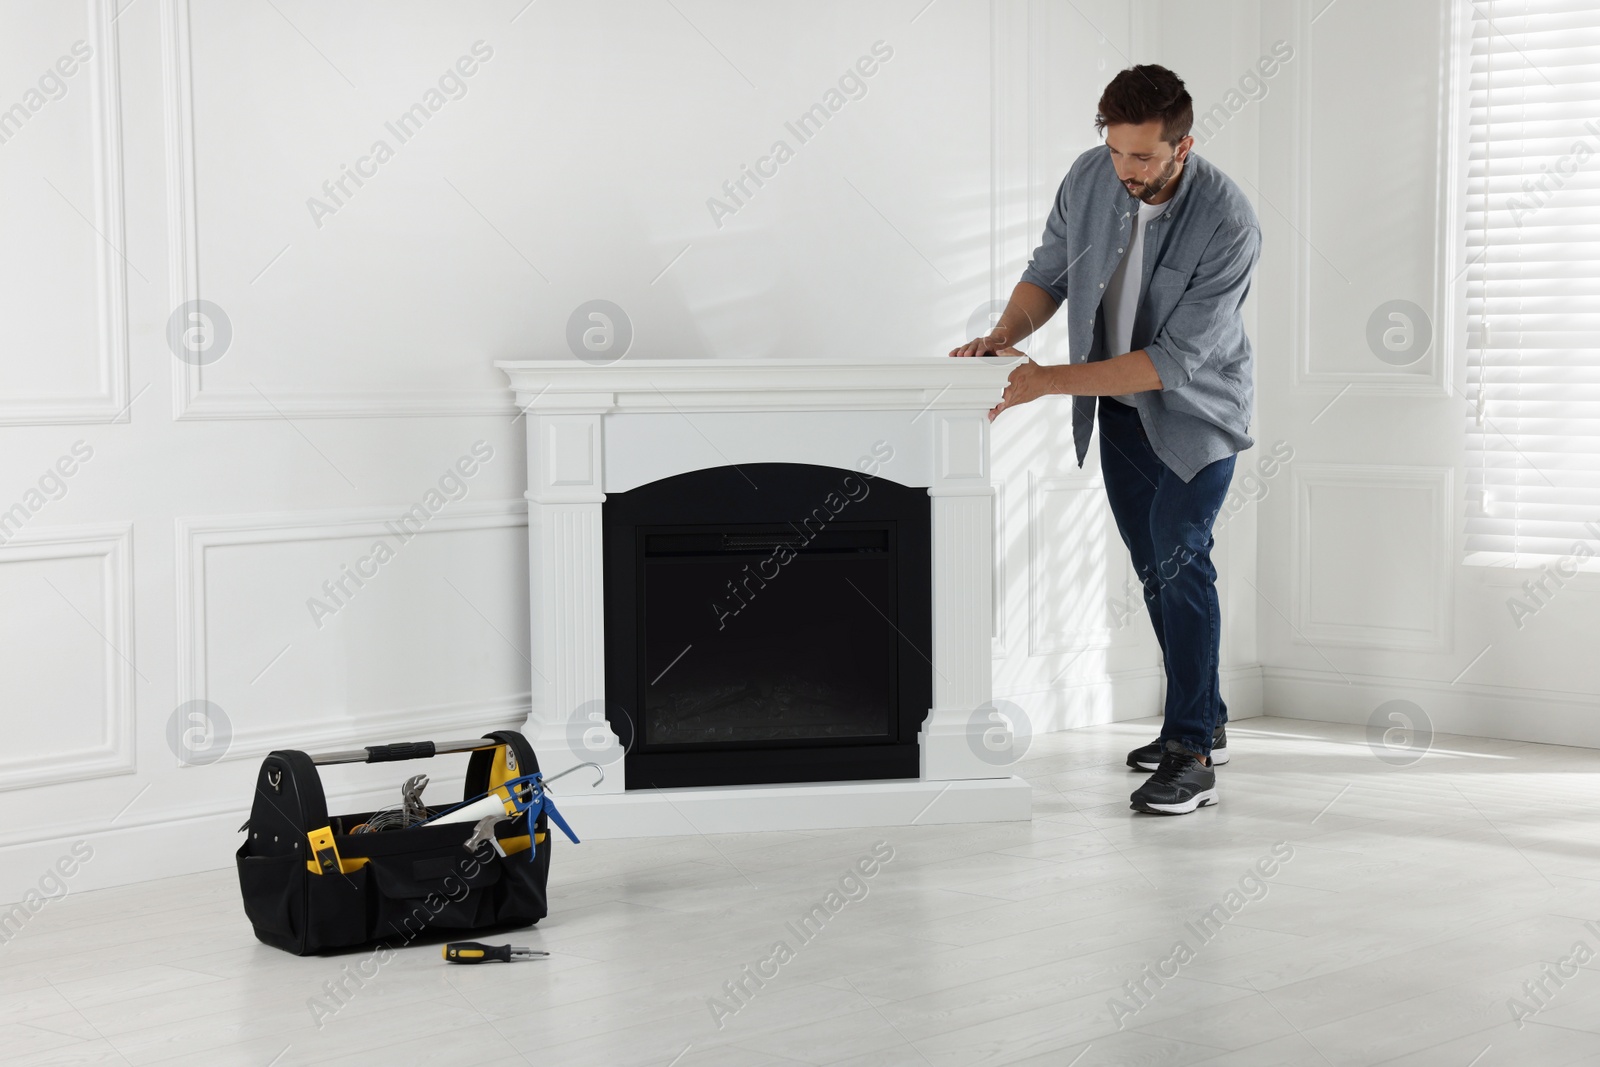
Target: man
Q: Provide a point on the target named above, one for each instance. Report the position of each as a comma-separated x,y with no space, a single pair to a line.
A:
1153,248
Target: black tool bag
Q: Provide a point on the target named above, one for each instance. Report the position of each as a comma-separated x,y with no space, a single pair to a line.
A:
310,885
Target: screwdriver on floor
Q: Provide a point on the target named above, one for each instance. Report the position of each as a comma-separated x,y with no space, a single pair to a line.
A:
472,952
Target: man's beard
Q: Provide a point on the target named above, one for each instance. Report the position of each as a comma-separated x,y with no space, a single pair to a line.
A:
1155,185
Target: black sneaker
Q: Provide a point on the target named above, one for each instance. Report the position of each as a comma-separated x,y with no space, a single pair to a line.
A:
1181,784
1148,758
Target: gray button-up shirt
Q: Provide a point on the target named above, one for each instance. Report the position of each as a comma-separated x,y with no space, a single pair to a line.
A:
1198,259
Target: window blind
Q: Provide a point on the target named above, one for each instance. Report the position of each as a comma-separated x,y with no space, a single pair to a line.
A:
1533,281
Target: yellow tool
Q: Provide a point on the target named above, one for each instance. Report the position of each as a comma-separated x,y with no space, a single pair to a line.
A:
325,858
472,952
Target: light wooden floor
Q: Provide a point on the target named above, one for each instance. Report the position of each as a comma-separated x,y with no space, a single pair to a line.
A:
1417,902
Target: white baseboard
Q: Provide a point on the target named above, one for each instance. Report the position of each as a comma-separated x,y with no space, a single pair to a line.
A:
1242,691
1510,714
1136,694
121,855
1126,695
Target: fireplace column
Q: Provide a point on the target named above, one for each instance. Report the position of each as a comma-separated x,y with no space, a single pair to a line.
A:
963,604
565,493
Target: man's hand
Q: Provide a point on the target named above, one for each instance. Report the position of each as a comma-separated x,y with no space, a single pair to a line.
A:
992,345
1028,381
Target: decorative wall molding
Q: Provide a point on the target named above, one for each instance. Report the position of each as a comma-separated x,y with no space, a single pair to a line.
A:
1450,328
191,398
197,534
1444,304
112,544
110,403
183,255
1056,642
1437,483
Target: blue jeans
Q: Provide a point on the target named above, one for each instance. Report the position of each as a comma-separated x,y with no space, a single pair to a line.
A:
1166,524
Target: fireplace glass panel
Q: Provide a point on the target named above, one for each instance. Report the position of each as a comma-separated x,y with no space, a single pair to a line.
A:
740,647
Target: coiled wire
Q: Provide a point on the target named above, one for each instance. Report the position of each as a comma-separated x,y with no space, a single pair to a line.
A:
411,812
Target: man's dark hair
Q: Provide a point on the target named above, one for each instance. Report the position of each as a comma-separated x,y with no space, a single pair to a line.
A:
1149,91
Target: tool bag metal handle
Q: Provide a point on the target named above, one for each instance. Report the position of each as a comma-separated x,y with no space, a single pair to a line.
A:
403,750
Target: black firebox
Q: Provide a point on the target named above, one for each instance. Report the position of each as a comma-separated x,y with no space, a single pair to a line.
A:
768,623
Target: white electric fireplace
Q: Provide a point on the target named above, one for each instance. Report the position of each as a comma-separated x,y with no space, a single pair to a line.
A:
761,592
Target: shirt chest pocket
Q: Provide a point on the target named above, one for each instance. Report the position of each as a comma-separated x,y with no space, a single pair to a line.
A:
1167,285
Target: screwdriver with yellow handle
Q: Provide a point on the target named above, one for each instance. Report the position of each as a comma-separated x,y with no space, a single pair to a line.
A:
472,952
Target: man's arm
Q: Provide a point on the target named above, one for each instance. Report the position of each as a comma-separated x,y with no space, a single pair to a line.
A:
1131,372
1029,308
1191,333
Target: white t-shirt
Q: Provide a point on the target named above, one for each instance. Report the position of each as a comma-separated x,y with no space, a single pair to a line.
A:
1121,301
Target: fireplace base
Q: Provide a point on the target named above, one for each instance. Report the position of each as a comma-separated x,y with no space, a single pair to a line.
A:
739,809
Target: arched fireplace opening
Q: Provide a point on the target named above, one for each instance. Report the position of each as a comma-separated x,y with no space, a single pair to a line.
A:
765,623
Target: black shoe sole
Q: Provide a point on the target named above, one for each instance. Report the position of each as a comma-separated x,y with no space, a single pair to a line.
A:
1206,798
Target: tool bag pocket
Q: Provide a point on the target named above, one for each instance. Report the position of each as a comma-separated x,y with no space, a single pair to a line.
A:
308,885
439,885
519,896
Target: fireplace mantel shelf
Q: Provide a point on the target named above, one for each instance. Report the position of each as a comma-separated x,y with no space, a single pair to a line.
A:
743,385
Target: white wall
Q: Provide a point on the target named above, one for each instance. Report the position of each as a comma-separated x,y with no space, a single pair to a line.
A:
176,561
1360,546
216,501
